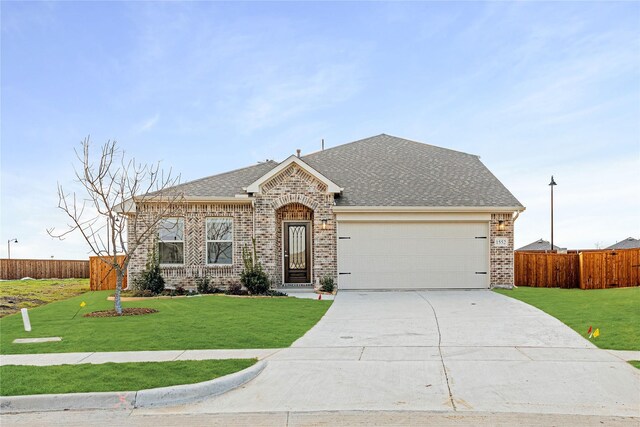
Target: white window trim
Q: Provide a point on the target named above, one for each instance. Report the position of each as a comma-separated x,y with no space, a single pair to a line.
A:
207,241
183,241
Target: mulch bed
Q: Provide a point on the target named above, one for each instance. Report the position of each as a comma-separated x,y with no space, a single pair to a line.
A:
135,311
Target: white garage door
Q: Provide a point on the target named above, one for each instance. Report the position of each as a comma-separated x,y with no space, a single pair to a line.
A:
378,255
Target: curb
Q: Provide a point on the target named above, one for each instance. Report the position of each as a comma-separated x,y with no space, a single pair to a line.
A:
191,392
127,400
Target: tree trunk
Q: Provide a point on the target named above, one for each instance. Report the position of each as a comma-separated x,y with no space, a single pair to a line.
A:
119,280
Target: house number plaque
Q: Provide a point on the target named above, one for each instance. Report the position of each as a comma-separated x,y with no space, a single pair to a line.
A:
501,242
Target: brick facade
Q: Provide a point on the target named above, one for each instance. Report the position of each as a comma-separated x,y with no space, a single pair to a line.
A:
293,194
501,258
195,252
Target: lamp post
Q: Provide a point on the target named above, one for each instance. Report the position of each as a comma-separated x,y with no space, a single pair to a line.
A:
9,247
552,184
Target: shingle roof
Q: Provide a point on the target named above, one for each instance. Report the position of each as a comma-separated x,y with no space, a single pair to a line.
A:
226,184
628,243
388,171
384,171
538,245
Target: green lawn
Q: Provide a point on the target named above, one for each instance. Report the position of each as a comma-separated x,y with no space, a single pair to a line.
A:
635,363
206,322
23,380
17,294
615,312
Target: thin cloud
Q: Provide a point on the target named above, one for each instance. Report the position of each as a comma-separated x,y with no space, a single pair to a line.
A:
148,124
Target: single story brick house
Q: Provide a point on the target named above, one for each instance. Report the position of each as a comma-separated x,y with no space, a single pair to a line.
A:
378,213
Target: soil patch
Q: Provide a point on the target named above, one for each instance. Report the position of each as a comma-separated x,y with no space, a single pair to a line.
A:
133,311
12,304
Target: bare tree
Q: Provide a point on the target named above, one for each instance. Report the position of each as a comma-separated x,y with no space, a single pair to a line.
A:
114,191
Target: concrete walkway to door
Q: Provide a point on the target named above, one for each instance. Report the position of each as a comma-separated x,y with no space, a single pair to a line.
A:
436,351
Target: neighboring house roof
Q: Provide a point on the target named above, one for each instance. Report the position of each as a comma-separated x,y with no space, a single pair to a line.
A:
628,243
538,245
383,171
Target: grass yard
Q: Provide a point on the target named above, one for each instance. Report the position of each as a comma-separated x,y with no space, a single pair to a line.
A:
17,294
23,380
615,312
205,322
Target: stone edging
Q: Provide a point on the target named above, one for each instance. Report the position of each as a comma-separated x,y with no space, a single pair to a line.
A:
127,400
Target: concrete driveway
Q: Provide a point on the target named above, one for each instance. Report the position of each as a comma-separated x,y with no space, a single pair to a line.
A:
436,351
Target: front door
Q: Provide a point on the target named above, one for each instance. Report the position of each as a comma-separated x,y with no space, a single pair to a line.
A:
297,256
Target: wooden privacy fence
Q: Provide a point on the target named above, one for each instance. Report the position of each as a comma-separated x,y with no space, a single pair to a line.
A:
103,276
585,270
607,269
12,269
547,270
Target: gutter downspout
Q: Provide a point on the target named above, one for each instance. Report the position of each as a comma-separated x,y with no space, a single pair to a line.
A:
253,226
514,229
516,217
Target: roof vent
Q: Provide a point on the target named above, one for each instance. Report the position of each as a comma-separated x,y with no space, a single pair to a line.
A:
298,152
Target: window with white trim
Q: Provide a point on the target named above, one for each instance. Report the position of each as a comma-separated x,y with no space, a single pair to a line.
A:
171,241
219,241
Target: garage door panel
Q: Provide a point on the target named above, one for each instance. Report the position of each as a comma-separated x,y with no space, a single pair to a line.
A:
412,255
413,280
382,263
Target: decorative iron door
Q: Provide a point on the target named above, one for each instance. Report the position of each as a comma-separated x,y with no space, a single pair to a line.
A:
297,256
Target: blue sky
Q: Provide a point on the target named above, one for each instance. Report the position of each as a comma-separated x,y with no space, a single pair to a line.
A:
535,89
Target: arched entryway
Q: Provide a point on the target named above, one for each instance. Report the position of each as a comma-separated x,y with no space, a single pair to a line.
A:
294,244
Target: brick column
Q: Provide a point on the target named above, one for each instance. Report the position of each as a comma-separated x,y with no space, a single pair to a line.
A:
501,258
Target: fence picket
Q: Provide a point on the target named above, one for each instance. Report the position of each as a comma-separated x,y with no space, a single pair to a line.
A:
585,269
14,269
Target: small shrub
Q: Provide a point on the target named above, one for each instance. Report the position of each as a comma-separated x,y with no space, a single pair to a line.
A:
203,285
180,290
150,279
253,277
236,289
327,284
256,281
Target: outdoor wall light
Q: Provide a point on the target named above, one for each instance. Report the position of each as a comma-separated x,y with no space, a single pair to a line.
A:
324,224
501,225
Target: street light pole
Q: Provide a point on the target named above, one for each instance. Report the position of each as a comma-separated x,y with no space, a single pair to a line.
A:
9,247
552,184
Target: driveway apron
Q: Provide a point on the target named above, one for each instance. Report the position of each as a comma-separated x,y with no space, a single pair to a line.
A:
440,351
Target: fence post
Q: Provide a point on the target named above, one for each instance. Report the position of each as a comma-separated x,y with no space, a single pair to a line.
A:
581,271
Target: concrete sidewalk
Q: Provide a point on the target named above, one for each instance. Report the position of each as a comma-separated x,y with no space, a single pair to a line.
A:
47,359
347,353
315,419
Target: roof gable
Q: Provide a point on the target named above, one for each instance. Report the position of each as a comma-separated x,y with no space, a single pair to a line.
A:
256,186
